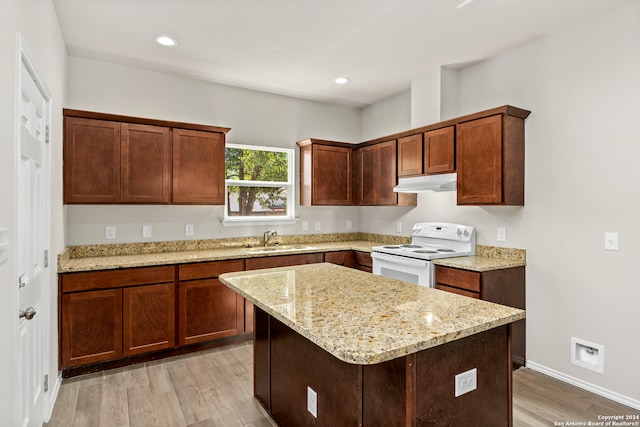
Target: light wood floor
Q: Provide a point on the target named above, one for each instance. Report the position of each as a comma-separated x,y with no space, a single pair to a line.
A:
215,388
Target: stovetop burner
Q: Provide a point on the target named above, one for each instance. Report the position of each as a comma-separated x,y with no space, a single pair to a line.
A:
433,240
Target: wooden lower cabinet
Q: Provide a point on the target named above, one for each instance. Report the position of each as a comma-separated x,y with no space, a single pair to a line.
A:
148,318
505,286
91,327
112,314
362,261
208,310
344,258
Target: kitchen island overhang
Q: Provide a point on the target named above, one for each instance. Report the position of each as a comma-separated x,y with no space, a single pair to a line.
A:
374,349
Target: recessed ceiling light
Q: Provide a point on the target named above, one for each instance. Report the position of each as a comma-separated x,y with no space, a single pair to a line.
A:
464,3
166,41
342,80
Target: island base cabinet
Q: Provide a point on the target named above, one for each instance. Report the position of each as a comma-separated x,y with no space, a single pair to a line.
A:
418,389
296,365
412,390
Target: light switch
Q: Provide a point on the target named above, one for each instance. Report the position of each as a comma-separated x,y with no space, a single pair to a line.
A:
349,224
188,229
147,231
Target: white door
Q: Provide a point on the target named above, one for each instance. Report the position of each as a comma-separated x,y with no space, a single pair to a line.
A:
32,231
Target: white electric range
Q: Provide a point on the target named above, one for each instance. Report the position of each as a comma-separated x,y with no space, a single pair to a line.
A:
429,241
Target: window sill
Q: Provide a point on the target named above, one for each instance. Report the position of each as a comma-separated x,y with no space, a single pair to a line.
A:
243,222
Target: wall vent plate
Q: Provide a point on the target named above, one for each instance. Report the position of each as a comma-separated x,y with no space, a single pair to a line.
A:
587,355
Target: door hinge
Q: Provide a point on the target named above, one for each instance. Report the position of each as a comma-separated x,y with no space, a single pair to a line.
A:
46,258
46,134
46,383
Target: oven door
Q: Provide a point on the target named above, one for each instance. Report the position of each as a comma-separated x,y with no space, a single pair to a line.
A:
407,269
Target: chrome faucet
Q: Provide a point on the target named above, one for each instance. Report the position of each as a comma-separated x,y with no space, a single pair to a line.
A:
268,235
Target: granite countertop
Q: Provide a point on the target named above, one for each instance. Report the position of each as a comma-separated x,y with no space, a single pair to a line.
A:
110,262
127,255
365,319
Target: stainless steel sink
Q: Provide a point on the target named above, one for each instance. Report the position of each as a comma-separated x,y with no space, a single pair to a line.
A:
283,248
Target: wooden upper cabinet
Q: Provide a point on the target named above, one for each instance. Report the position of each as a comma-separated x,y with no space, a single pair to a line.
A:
145,164
378,174
120,159
410,155
490,161
91,161
439,150
198,167
326,169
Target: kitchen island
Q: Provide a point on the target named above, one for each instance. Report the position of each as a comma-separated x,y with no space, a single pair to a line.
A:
335,346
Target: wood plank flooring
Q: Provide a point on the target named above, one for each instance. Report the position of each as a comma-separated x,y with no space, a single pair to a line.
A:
215,388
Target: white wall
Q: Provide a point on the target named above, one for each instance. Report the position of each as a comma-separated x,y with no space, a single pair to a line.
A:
582,179
255,118
386,117
38,24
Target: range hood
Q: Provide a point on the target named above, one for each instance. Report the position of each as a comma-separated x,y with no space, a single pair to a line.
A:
427,183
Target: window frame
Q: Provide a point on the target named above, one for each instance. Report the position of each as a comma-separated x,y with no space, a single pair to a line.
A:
290,186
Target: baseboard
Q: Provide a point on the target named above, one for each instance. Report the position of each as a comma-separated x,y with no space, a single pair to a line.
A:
600,391
53,396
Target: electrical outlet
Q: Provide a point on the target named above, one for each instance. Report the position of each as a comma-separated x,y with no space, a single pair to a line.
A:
501,234
318,226
147,231
349,224
611,241
312,402
110,232
305,225
398,227
188,229
466,382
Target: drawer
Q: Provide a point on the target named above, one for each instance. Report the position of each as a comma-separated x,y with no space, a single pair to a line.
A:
206,270
107,279
458,291
462,279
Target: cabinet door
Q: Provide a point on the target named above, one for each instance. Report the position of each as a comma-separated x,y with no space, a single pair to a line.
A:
208,310
331,175
410,155
369,175
479,161
362,261
198,167
91,161
388,177
146,164
149,318
91,329
339,258
439,150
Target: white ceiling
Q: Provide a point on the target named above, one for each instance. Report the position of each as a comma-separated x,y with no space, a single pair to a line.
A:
298,47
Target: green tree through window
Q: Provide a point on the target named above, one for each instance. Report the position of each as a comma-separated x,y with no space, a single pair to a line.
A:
259,181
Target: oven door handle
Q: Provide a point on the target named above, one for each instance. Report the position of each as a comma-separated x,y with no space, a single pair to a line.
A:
400,259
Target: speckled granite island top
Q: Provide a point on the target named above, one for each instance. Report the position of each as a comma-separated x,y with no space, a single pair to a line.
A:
365,319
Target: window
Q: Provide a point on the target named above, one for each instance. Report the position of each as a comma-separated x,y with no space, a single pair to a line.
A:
259,184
